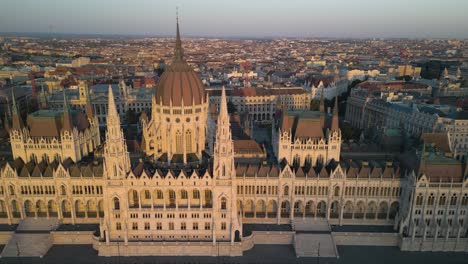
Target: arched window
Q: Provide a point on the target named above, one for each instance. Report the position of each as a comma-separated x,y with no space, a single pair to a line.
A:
12,189
337,191
179,146
63,191
453,200
442,199
223,203
188,141
286,190
430,200
419,199
116,203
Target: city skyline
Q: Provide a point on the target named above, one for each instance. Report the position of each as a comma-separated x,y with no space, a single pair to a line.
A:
243,19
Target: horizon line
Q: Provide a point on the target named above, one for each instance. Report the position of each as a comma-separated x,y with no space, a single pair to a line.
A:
246,37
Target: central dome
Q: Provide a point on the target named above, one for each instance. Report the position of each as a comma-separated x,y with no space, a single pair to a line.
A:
179,83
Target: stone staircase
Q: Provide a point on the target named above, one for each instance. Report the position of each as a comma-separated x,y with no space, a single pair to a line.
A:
38,225
313,238
27,245
32,238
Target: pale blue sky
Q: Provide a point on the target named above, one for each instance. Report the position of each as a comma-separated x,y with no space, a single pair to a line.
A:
247,18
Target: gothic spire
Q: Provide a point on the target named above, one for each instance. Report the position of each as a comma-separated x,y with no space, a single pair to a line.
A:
178,51
17,121
223,105
322,102
224,148
89,107
67,119
112,115
335,125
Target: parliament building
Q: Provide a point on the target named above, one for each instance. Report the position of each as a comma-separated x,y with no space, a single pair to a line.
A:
181,199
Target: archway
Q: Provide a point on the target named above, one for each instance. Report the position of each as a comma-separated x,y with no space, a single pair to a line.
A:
334,209
3,211
91,207
15,209
310,209
322,209
29,208
249,209
237,237
383,210
101,208
260,210
80,210
41,208
285,209
272,209
66,209
52,207
359,210
371,210
240,209
394,207
298,209
348,210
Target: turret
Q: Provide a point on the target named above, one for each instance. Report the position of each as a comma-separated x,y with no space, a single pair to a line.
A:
322,101
116,157
224,148
17,120
67,118
335,123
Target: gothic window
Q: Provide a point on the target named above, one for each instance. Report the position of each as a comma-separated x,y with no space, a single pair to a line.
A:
183,194
453,200
116,204
430,200
63,191
188,141
286,190
419,200
196,194
179,146
442,199
223,203
12,189
159,194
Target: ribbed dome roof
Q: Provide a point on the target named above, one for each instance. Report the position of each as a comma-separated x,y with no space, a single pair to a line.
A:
179,82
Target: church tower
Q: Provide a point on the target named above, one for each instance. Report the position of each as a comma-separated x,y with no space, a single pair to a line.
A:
116,157
17,132
226,221
334,136
224,148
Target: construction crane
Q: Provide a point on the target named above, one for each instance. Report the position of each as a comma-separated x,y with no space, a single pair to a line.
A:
246,66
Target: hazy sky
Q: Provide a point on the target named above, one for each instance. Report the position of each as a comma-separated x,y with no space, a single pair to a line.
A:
247,18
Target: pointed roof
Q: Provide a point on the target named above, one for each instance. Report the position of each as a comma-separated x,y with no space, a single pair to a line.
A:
17,120
335,122
322,102
89,106
67,119
178,50
112,115
223,112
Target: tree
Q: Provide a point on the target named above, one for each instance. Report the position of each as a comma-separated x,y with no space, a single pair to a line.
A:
131,117
315,105
231,107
